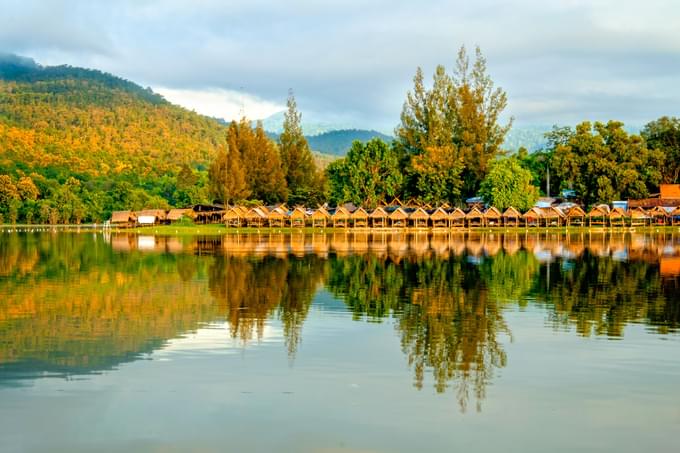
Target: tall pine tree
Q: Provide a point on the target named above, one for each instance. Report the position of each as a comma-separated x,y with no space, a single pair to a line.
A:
227,177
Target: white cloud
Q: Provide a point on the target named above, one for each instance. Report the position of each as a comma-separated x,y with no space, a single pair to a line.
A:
221,103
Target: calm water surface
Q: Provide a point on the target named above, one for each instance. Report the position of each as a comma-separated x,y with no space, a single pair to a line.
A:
339,343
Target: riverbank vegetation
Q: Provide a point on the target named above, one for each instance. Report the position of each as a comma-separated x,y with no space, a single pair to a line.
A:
77,144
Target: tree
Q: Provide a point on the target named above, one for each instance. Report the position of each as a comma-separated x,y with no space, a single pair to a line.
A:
27,189
459,116
227,178
602,162
509,184
265,172
302,178
370,173
664,135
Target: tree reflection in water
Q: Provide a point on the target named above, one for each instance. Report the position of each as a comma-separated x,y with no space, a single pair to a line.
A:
84,303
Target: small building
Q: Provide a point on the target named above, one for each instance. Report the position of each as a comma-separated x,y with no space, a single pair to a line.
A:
123,219
474,218
150,217
206,213
511,217
340,217
492,217
532,217
378,218
398,218
440,218
297,217
418,218
276,217
598,215
576,216
617,217
638,217
175,215
255,217
359,218
457,218
320,217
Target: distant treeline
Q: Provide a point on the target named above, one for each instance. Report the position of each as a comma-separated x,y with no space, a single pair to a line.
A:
77,144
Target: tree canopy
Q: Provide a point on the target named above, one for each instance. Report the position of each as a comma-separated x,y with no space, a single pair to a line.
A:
509,184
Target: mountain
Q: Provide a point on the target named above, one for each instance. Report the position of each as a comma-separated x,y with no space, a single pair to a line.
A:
338,142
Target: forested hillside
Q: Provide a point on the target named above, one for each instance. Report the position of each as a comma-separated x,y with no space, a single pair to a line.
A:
109,142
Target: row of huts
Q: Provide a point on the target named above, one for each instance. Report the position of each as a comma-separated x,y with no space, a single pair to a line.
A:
347,216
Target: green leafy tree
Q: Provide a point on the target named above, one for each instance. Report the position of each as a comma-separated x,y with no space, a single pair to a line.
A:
370,173
227,177
459,116
602,162
509,184
664,135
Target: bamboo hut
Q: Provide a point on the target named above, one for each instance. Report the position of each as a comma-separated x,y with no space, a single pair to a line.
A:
492,217
276,217
175,215
511,217
675,216
398,218
378,218
234,217
552,216
439,218
340,217
256,217
474,218
658,215
576,216
206,213
123,219
320,218
532,217
638,217
617,217
598,215
418,218
359,218
297,217
150,217
457,218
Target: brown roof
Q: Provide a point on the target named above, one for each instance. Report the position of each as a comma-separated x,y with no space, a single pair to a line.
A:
533,212
233,213
277,213
419,213
158,213
474,214
176,214
256,213
598,210
638,213
551,213
341,212
320,213
457,214
360,213
398,213
298,213
378,213
617,213
492,213
438,214
669,191
576,211
511,212
122,216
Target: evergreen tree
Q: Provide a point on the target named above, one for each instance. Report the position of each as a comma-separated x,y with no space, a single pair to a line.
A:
227,177
264,170
304,182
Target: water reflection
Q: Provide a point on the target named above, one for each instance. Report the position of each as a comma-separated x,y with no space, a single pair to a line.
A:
84,303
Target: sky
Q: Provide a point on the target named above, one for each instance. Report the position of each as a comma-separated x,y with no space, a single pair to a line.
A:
351,62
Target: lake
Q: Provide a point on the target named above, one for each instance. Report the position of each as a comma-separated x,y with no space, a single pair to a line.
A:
345,342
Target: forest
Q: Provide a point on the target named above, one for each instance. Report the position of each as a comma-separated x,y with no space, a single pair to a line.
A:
77,144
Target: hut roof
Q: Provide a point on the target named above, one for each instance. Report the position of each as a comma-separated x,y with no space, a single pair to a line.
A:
551,213
492,213
398,213
122,216
533,212
512,213
341,212
658,211
457,214
676,211
439,214
419,213
474,214
297,213
176,214
599,210
360,213
576,211
256,213
378,213
233,213
617,213
638,213
278,212
158,213
320,213
207,208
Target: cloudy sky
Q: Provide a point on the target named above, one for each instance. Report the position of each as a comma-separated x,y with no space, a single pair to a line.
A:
351,62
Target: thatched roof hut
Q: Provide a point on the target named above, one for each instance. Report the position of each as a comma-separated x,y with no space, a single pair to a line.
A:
474,217
439,218
340,217
398,217
359,218
297,217
276,217
256,217
234,216
532,217
659,215
419,218
598,215
378,217
123,219
576,216
552,216
675,216
174,215
511,217
457,218
617,217
320,217
492,216
150,216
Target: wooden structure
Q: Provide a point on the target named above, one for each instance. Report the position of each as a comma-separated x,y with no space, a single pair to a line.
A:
658,215
418,218
206,213
552,216
256,217
378,218
320,217
123,219
638,217
340,217
297,217
175,215
277,216
457,218
150,217
511,217
492,217
598,215
440,218
235,217
474,218
532,218
675,216
576,216
617,217
398,218
359,218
